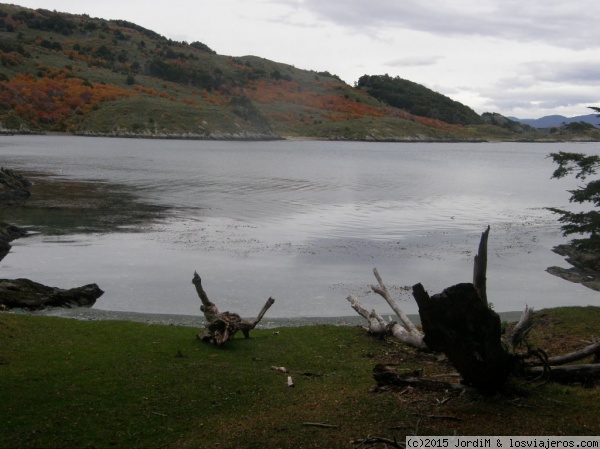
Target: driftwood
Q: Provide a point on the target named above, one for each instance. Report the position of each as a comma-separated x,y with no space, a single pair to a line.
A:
405,331
460,323
222,326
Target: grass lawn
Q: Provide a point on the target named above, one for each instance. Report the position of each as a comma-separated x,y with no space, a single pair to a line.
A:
73,384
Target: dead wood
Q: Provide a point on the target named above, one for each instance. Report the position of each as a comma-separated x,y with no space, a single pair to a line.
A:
222,326
321,425
522,328
585,374
385,294
480,266
459,323
588,351
405,331
386,375
376,324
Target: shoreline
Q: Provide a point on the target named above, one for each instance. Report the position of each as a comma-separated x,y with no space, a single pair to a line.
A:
91,314
295,138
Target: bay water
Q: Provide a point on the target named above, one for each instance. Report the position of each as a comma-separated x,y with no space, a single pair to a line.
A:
302,221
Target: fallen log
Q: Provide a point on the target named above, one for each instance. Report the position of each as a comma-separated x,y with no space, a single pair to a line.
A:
222,326
583,373
588,351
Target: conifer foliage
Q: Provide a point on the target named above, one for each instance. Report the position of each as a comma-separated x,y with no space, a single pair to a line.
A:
586,223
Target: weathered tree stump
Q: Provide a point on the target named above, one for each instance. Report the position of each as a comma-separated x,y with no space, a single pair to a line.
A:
222,326
459,323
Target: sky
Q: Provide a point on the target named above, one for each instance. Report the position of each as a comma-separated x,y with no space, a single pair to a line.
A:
520,58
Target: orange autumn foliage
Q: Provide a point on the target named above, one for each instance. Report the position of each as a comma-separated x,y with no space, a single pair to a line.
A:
56,99
338,106
281,91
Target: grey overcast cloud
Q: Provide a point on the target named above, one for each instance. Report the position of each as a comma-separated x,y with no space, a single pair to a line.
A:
525,58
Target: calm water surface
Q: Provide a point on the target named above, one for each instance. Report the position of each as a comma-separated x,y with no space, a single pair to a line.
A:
304,222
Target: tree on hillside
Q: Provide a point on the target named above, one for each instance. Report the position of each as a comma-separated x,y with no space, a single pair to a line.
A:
583,223
417,99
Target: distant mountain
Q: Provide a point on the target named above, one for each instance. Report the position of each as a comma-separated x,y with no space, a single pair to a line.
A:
558,120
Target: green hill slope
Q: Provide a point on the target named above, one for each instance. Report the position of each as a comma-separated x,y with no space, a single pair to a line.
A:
72,73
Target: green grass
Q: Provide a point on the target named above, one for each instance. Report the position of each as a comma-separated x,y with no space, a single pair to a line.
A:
72,384
82,384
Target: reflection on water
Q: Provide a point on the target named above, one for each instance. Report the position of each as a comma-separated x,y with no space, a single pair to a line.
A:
304,222
58,207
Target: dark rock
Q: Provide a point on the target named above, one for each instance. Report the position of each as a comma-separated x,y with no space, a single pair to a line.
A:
13,187
585,270
7,234
26,294
23,293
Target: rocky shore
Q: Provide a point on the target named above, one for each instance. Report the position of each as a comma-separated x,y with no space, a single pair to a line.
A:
197,321
13,188
24,293
585,269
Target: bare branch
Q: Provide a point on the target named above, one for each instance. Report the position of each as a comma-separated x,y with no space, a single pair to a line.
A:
377,325
522,328
383,292
569,373
318,424
588,351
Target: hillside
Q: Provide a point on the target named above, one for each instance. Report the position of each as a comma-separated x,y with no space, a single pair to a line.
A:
76,74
